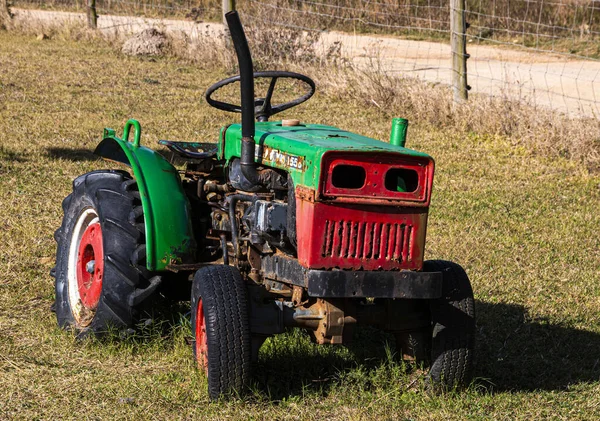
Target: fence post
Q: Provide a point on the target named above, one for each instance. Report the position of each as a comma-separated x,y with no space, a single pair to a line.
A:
228,6
92,16
5,14
458,44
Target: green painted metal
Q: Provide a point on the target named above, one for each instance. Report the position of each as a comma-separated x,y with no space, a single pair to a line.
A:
299,149
108,133
137,134
167,213
398,132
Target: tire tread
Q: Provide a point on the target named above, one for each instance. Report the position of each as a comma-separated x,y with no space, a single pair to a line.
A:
453,332
223,294
114,196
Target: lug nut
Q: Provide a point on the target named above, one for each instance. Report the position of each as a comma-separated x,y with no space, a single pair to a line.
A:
90,266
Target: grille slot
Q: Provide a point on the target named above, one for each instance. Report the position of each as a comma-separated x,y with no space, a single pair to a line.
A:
367,240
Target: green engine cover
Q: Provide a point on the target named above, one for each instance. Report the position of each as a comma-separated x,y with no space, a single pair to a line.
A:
299,149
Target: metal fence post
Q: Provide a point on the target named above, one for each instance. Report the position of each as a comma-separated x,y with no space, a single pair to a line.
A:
458,43
92,16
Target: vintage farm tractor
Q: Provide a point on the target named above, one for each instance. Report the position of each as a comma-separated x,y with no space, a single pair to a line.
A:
280,224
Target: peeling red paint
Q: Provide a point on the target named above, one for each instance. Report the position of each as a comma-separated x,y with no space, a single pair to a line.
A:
374,190
360,237
367,226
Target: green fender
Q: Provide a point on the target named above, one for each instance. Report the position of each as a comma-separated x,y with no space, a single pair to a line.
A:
167,214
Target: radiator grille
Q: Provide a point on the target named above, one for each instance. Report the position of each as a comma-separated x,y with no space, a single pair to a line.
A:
367,240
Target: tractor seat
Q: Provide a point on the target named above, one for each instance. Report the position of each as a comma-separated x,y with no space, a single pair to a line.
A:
194,150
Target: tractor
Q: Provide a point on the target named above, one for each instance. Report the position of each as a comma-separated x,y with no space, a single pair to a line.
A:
280,224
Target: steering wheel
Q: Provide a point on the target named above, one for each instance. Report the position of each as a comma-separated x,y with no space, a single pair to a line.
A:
262,106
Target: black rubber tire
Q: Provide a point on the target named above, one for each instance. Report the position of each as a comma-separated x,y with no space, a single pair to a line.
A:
225,308
453,324
114,197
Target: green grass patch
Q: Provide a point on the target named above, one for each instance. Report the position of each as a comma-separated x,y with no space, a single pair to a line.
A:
524,225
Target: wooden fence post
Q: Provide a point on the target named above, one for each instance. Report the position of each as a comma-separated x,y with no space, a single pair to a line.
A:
92,16
228,6
5,14
458,43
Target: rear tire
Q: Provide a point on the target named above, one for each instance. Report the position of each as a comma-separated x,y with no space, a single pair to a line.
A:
453,323
100,259
222,345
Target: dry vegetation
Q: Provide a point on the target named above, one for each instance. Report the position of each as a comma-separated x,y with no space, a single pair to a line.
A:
508,205
536,128
567,26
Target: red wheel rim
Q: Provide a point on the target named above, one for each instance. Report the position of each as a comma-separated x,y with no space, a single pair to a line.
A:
201,342
90,266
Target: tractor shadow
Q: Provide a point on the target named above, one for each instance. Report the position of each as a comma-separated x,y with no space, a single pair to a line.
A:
82,154
516,351
75,155
9,155
290,365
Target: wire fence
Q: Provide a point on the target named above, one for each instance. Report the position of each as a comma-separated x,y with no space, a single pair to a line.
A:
420,31
545,52
181,9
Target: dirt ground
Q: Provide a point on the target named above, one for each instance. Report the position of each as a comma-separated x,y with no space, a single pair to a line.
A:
555,81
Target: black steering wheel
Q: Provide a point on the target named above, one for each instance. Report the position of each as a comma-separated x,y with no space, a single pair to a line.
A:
262,106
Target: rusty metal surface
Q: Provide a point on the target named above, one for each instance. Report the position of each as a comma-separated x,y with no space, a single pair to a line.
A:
331,328
185,267
375,189
353,284
404,284
331,320
360,237
323,318
305,193
297,293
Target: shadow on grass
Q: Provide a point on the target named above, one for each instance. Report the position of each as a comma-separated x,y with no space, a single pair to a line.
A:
82,154
72,154
518,352
158,326
12,156
514,352
290,365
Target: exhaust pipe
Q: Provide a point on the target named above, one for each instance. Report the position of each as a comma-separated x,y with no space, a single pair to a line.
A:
248,167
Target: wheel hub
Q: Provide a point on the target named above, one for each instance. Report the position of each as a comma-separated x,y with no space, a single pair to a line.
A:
91,266
201,340
90,259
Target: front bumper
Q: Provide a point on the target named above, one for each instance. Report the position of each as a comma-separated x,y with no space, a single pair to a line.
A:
353,284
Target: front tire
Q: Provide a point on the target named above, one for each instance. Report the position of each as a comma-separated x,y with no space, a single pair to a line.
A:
453,322
100,254
222,344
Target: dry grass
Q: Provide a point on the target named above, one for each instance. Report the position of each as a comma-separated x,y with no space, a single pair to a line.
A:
523,224
537,128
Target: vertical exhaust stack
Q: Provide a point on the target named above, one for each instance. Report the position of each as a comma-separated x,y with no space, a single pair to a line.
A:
242,51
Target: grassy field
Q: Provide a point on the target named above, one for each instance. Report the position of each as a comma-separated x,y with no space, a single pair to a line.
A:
524,225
